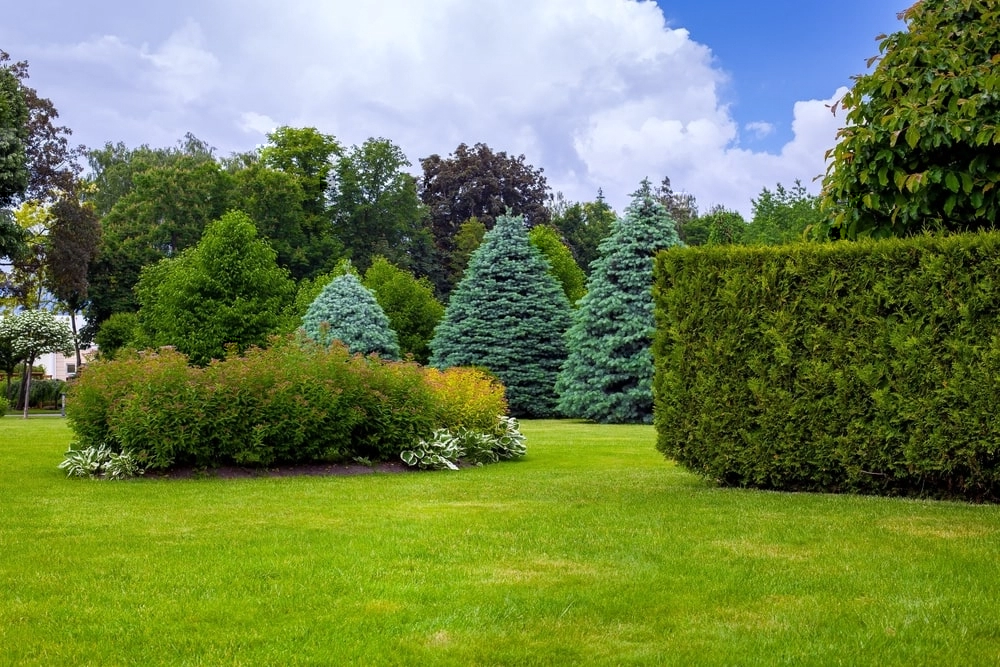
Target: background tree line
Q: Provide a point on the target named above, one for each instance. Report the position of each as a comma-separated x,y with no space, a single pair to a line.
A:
918,152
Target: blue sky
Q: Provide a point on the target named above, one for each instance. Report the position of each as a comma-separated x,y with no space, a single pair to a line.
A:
781,51
723,97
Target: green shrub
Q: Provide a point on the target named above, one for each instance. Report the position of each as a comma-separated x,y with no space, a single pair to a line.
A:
99,391
466,397
4,406
860,367
296,401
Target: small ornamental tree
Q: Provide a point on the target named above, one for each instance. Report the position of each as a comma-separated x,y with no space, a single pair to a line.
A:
31,334
347,311
509,315
609,373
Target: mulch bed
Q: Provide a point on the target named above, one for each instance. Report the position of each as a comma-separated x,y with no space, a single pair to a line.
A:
297,470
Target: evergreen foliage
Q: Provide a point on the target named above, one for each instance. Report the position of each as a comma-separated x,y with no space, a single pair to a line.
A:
509,315
837,367
347,311
609,373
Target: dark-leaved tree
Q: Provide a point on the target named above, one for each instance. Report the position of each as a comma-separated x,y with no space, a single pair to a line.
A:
477,183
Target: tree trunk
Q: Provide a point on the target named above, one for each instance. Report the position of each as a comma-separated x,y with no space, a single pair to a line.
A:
27,384
19,402
76,340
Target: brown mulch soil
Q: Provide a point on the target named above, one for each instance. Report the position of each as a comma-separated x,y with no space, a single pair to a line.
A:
302,469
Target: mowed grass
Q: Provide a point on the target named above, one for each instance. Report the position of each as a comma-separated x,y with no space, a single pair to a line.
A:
591,550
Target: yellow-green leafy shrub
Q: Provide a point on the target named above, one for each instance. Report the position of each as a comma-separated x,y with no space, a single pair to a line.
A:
293,402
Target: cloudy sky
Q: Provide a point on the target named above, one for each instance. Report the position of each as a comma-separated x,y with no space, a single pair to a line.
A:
723,97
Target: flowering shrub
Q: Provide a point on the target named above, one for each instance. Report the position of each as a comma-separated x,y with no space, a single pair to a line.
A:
466,397
294,402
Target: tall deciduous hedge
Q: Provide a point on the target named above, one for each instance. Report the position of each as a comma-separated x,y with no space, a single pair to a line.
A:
856,367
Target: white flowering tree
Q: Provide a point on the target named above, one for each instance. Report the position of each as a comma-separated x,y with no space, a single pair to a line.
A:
31,334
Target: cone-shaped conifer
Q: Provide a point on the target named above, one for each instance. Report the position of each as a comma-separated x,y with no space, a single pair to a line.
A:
609,373
509,315
345,310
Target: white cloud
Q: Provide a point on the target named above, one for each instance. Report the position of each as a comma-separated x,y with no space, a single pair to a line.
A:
253,122
181,67
601,93
759,128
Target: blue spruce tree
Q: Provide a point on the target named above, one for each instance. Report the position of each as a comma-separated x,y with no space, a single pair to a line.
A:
345,310
608,376
509,315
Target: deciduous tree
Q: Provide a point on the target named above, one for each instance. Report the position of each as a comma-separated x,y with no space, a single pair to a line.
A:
73,238
31,334
478,183
921,145
228,289
562,266
375,207
13,139
784,215
164,213
409,304
583,226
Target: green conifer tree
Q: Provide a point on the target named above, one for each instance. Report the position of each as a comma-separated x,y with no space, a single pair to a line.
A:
509,315
609,373
347,311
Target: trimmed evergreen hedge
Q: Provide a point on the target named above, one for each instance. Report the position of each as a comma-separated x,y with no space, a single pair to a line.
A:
851,367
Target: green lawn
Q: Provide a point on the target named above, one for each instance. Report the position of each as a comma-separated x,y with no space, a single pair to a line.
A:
592,550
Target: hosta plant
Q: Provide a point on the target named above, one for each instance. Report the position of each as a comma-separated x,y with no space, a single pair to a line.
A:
102,461
441,452
446,449
508,441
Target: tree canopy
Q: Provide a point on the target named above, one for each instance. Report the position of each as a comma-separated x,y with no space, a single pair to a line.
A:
13,138
562,266
921,145
409,304
228,289
480,183
374,203
32,333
